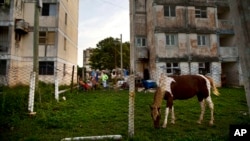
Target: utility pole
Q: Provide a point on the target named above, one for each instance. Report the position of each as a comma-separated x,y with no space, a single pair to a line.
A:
121,53
37,7
240,13
34,75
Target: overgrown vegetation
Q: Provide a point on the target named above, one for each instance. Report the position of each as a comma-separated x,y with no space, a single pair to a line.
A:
106,112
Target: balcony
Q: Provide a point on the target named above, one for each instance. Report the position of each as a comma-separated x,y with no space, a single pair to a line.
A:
22,26
225,26
228,54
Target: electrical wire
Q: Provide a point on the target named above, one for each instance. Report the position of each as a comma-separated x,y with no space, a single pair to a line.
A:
113,4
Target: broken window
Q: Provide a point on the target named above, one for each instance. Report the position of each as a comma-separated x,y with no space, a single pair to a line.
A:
173,68
203,40
169,11
204,68
47,37
200,12
46,68
49,9
141,41
171,39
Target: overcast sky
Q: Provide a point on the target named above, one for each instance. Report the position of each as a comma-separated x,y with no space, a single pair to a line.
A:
100,19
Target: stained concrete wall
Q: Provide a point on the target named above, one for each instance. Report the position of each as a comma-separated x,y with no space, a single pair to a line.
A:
20,56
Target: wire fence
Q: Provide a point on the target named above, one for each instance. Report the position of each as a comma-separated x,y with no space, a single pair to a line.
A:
20,74
214,70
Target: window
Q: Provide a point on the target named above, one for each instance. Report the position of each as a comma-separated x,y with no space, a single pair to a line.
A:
171,39
42,37
173,68
49,9
200,12
64,69
4,41
203,40
141,42
204,68
65,44
66,16
169,11
47,37
46,68
3,66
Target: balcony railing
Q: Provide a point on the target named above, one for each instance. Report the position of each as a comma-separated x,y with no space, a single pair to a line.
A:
225,25
228,52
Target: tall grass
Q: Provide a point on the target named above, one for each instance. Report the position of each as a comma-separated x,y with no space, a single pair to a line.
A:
106,112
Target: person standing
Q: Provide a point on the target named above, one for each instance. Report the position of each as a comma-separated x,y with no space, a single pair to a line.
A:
104,80
93,73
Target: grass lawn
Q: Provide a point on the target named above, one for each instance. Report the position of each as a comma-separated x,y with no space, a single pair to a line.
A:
106,113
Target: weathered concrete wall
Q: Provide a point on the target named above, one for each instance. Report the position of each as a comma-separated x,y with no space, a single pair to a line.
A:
149,20
162,21
187,45
151,38
181,50
140,25
208,50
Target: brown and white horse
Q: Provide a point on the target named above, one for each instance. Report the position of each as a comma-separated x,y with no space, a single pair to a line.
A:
182,87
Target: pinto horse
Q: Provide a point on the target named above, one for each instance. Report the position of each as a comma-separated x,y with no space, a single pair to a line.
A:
182,87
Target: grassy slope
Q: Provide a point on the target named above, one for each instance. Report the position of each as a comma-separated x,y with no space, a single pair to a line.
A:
106,112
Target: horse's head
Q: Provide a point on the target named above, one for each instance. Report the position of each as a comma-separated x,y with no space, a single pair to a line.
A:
156,115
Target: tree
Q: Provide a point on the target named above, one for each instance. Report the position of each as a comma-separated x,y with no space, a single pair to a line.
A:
107,54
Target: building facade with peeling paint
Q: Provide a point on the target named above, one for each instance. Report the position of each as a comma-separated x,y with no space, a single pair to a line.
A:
184,37
58,37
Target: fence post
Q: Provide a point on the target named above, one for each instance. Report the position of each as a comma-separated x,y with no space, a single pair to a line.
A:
56,87
131,105
72,79
32,92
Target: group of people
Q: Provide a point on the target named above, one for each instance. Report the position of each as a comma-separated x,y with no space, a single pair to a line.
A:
93,81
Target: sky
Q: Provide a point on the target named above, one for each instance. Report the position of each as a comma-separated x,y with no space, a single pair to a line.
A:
100,19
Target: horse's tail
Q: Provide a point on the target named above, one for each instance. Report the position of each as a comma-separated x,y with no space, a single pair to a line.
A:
214,88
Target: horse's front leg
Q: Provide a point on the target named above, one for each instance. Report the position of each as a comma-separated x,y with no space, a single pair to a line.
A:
166,118
169,106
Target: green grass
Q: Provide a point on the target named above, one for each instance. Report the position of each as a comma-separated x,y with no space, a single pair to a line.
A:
106,113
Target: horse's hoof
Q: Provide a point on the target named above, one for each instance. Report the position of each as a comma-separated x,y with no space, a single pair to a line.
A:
173,122
164,126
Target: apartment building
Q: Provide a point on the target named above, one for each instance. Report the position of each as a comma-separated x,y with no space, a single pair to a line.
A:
57,47
184,37
86,57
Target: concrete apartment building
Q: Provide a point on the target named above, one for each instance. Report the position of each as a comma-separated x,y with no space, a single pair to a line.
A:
58,37
184,37
86,56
